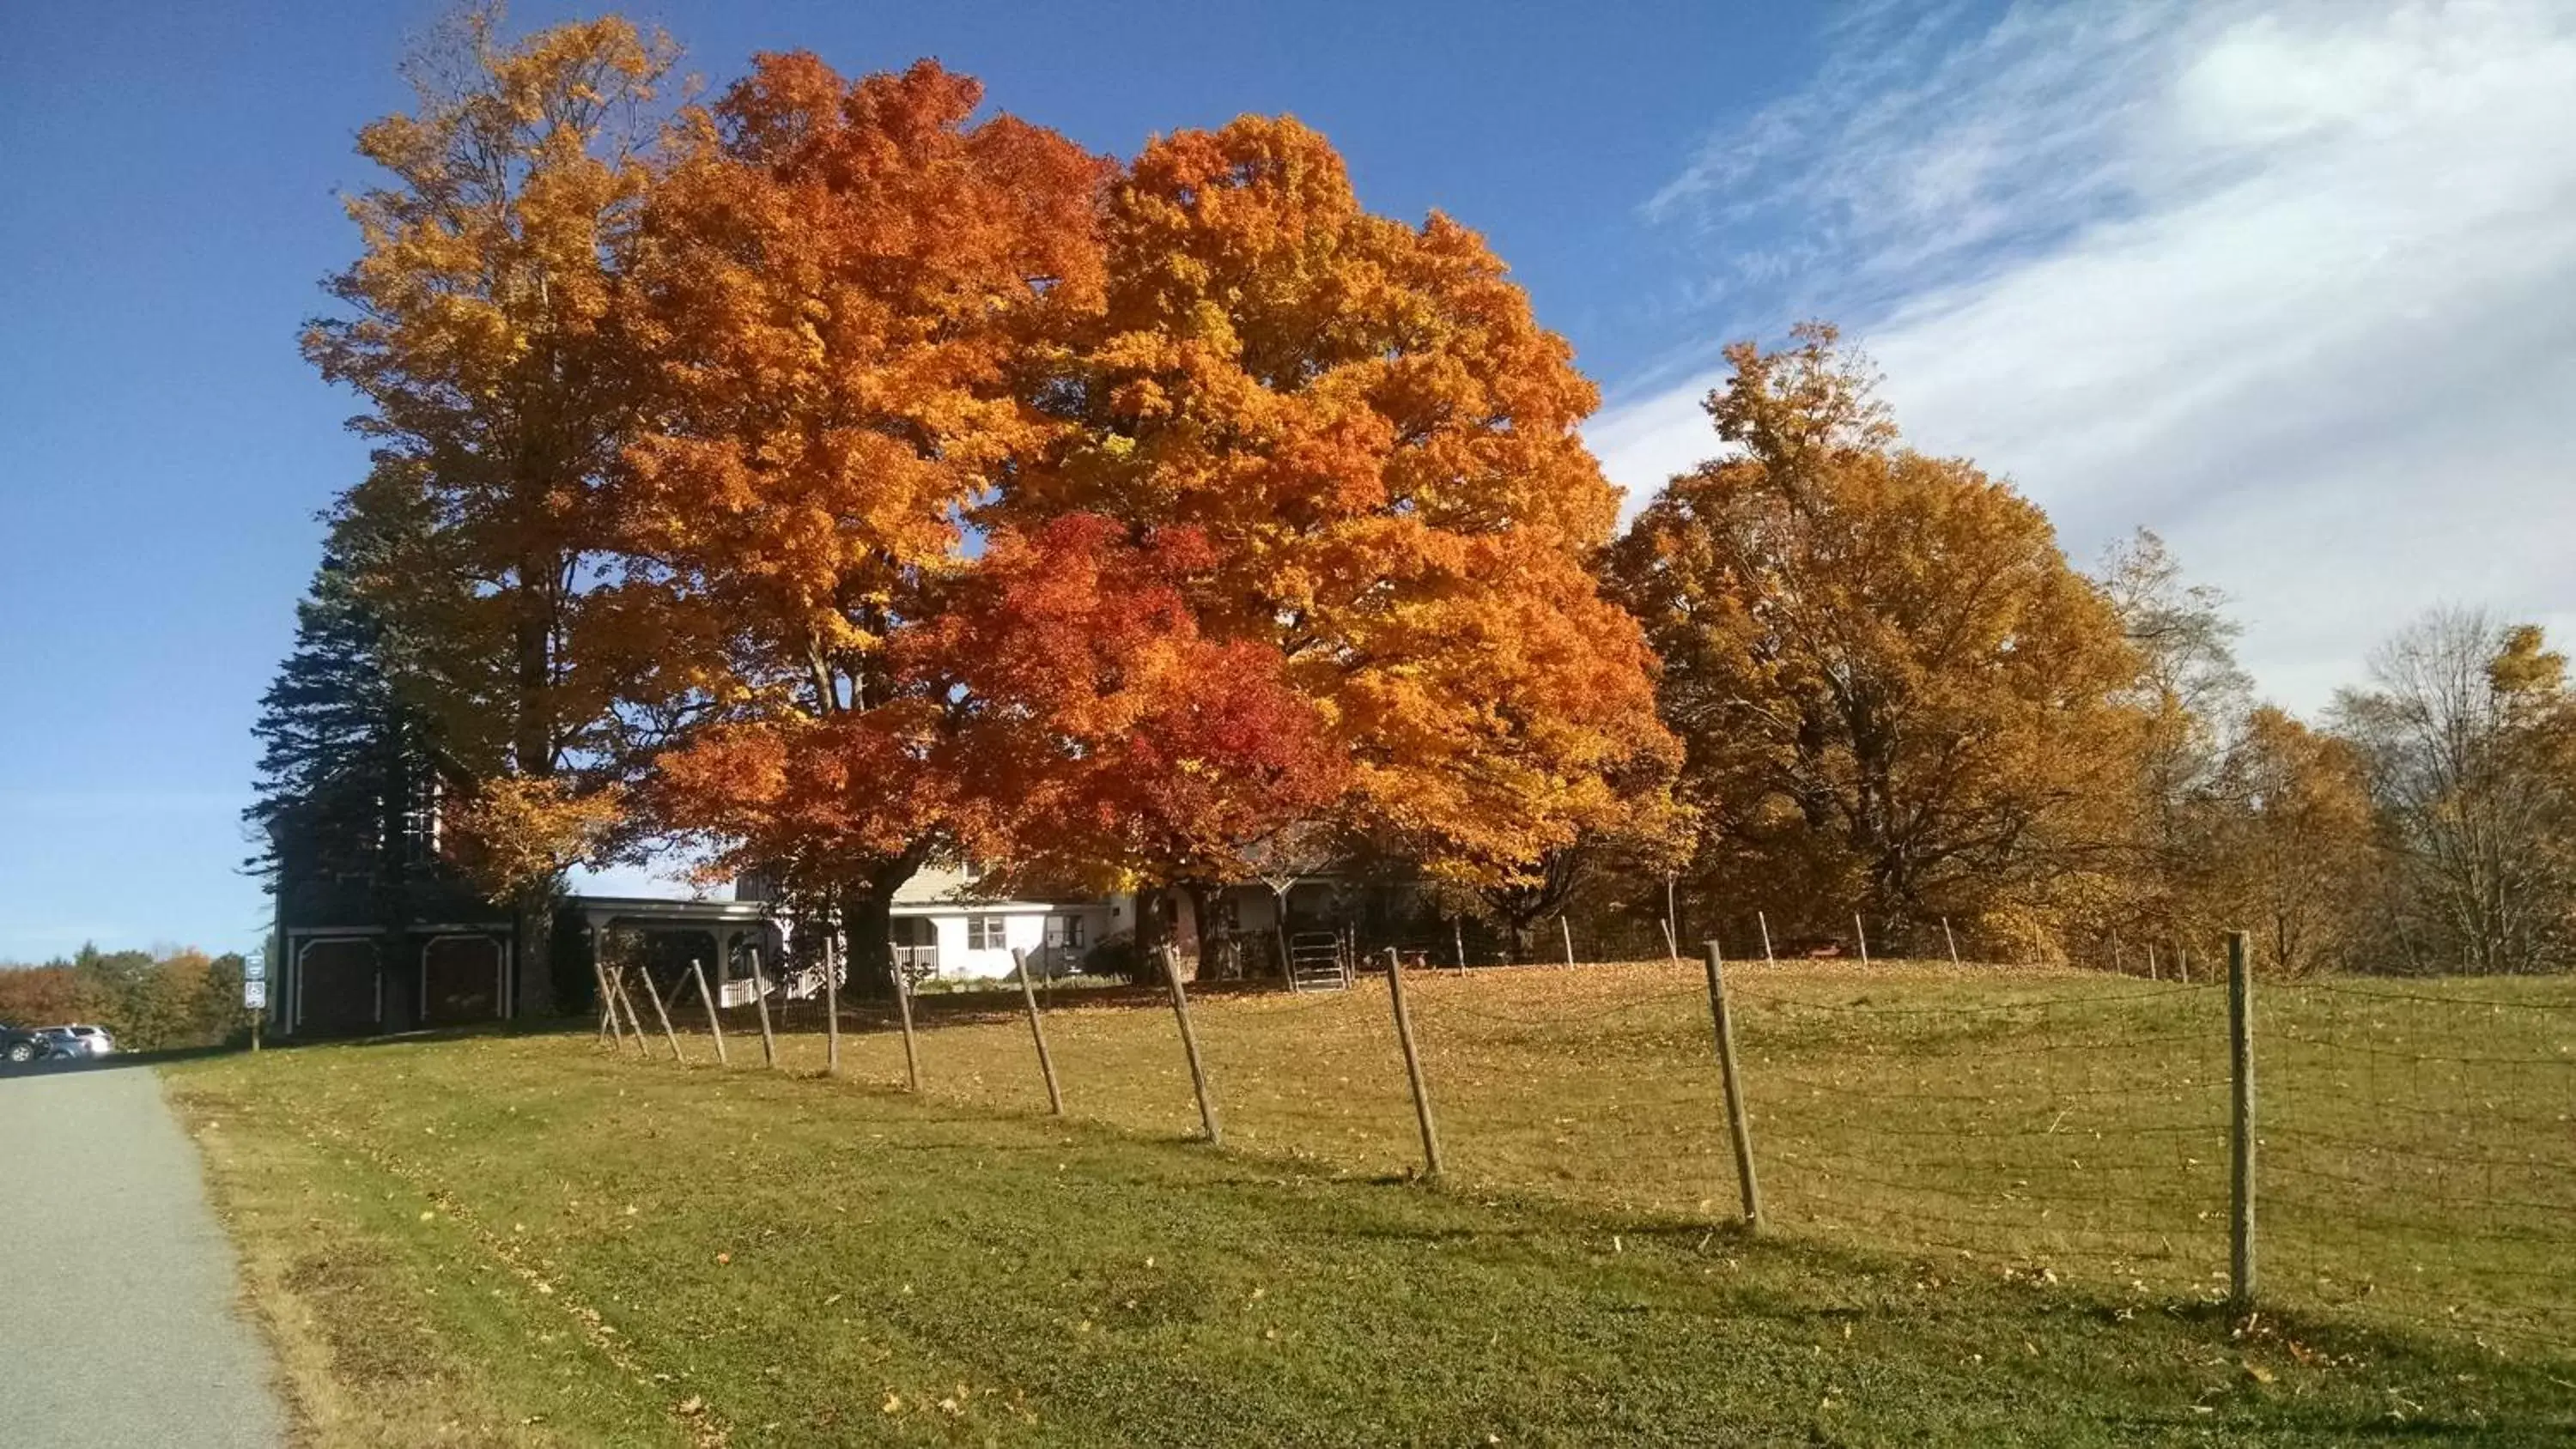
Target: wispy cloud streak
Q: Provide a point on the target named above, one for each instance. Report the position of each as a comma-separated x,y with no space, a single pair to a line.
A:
2293,283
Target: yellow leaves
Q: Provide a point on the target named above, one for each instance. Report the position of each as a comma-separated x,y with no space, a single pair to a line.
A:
518,832
1863,635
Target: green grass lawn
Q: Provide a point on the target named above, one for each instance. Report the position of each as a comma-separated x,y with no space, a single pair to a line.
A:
1995,1222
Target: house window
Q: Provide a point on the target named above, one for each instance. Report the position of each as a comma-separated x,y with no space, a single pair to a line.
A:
984,933
1073,932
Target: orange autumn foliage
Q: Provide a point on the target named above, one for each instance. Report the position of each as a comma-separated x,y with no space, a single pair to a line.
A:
479,328
1376,443
1896,693
841,291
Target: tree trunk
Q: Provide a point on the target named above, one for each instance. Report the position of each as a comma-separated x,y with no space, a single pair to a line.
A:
869,918
397,908
866,915
532,751
1204,896
1153,932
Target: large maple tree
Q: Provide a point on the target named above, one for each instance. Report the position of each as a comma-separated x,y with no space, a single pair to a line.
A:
1895,693
843,293
475,325
1375,444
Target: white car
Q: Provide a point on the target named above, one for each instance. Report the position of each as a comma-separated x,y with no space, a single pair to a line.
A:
81,1041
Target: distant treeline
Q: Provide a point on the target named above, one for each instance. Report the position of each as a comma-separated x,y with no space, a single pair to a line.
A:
148,1002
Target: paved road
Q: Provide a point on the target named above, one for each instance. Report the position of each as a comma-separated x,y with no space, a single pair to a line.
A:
117,1324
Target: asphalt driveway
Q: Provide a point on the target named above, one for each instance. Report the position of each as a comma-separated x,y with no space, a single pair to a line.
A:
119,1326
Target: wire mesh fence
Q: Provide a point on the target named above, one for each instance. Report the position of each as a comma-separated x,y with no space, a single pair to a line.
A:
2417,1140
2420,1153
2044,1131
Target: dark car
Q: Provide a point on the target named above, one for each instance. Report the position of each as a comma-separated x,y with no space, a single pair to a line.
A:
19,1046
81,1042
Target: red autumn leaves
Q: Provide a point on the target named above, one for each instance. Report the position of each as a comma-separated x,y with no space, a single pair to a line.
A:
1127,734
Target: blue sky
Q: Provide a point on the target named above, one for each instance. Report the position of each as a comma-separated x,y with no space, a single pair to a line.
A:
2288,281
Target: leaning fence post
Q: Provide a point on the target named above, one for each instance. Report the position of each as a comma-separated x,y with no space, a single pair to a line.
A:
2240,1058
1764,922
609,1024
1037,1029
1567,932
643,1048
715,1023
903,1008
1950,940
1413,1066
1190,1047
1738,1124
760,997
2151,962
662,1014
1861,934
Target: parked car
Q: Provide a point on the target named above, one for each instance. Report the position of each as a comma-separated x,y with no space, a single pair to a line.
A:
81,1041
20,1046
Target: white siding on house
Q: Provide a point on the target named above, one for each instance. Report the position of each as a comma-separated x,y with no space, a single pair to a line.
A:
1023,926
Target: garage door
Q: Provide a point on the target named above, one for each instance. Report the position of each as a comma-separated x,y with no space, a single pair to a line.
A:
460,980
336,988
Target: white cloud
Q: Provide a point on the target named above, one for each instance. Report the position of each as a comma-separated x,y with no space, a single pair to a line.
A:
2294,285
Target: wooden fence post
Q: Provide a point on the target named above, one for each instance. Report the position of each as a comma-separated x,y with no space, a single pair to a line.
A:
1950,940
1764,922
1190,1046
2151,962
1458,940
662,1014
1413,1067
2240,1055
2182,963
903,1005
1738,1121
610,1025
642,1048
832,1003
1860,933
1037,1029
1567,932
760,997
715,1023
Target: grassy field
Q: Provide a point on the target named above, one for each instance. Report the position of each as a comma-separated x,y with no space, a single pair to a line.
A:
1998,1205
